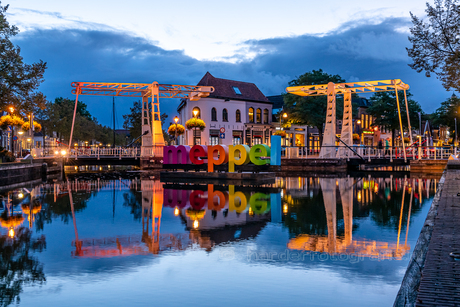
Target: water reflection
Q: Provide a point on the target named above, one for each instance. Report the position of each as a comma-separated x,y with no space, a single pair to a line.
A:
119,226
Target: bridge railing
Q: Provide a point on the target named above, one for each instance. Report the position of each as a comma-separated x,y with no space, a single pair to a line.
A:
372,152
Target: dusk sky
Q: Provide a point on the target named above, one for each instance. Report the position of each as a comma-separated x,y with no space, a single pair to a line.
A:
268,43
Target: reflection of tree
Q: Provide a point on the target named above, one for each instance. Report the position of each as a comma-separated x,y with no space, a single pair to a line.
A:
307,215
386,212
61,208
17,267
133,200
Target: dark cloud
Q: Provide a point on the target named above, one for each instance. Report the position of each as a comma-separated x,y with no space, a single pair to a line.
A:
358,51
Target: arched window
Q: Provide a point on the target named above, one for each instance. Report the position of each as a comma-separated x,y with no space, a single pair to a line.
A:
259,116
224,115
213,115
238,116
198,112
251,115
265,116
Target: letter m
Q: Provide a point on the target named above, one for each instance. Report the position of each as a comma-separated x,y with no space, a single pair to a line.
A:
176,154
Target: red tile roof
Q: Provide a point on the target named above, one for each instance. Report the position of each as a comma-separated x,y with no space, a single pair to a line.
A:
223,89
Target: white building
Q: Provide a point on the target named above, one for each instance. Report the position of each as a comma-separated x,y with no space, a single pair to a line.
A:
235,113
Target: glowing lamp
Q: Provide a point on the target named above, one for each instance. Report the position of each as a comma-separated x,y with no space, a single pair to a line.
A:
11,233
176,211
196,224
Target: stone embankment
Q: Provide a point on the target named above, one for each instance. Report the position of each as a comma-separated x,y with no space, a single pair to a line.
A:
433,274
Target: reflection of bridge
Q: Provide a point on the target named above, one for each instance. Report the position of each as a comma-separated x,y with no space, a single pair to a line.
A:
346,245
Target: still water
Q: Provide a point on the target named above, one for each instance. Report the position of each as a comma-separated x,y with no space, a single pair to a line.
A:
302,241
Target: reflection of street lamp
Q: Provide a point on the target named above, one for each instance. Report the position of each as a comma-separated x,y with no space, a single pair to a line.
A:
176,119
195,114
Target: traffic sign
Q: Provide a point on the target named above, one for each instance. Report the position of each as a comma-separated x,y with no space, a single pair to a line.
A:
222,130
222,135
15,137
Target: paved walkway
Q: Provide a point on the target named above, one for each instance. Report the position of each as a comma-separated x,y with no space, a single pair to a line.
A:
440,281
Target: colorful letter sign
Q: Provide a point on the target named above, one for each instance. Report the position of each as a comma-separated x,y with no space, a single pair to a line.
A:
221,154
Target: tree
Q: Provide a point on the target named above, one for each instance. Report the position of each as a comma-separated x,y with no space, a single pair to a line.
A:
133,121
449,110
384,109
435,43
19,81
58,116
311,110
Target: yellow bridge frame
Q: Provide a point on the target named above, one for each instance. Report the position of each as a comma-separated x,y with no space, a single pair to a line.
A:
331,90
152,135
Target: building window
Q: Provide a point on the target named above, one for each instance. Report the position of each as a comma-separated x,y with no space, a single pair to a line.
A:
198,113
213,115
251,115
266,116
224,115
238,116
236,90
259,116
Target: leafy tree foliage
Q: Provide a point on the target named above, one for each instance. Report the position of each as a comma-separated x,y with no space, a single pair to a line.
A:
384,109
58,115
449,110
133,121
436,43
19,81
312,110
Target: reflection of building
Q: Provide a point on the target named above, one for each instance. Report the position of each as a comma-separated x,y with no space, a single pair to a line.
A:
235,113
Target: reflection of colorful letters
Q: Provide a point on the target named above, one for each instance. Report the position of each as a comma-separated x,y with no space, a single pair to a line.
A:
221,154
237,201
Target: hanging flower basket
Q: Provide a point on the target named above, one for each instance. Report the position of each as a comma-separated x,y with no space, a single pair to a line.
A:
281,133
172,129
9,120
195,123
356,137
26,126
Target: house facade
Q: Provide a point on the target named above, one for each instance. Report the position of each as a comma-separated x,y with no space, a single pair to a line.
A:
235,113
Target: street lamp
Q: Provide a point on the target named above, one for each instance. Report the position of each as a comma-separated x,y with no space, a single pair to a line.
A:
176,119
195,114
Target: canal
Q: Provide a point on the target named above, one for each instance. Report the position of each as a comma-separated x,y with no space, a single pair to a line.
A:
301,241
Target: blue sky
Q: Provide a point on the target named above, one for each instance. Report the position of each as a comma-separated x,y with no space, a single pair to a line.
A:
268,43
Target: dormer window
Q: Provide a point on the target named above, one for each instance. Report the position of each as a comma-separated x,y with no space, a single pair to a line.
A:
237,90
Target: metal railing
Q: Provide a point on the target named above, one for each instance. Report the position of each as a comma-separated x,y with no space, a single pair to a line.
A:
373,152
98,152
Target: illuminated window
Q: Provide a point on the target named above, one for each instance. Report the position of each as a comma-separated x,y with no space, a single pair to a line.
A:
266,116
251,115
224,115
259,116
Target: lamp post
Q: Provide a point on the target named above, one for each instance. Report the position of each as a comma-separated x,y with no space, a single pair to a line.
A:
176,119
358,122
195,114
11,109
